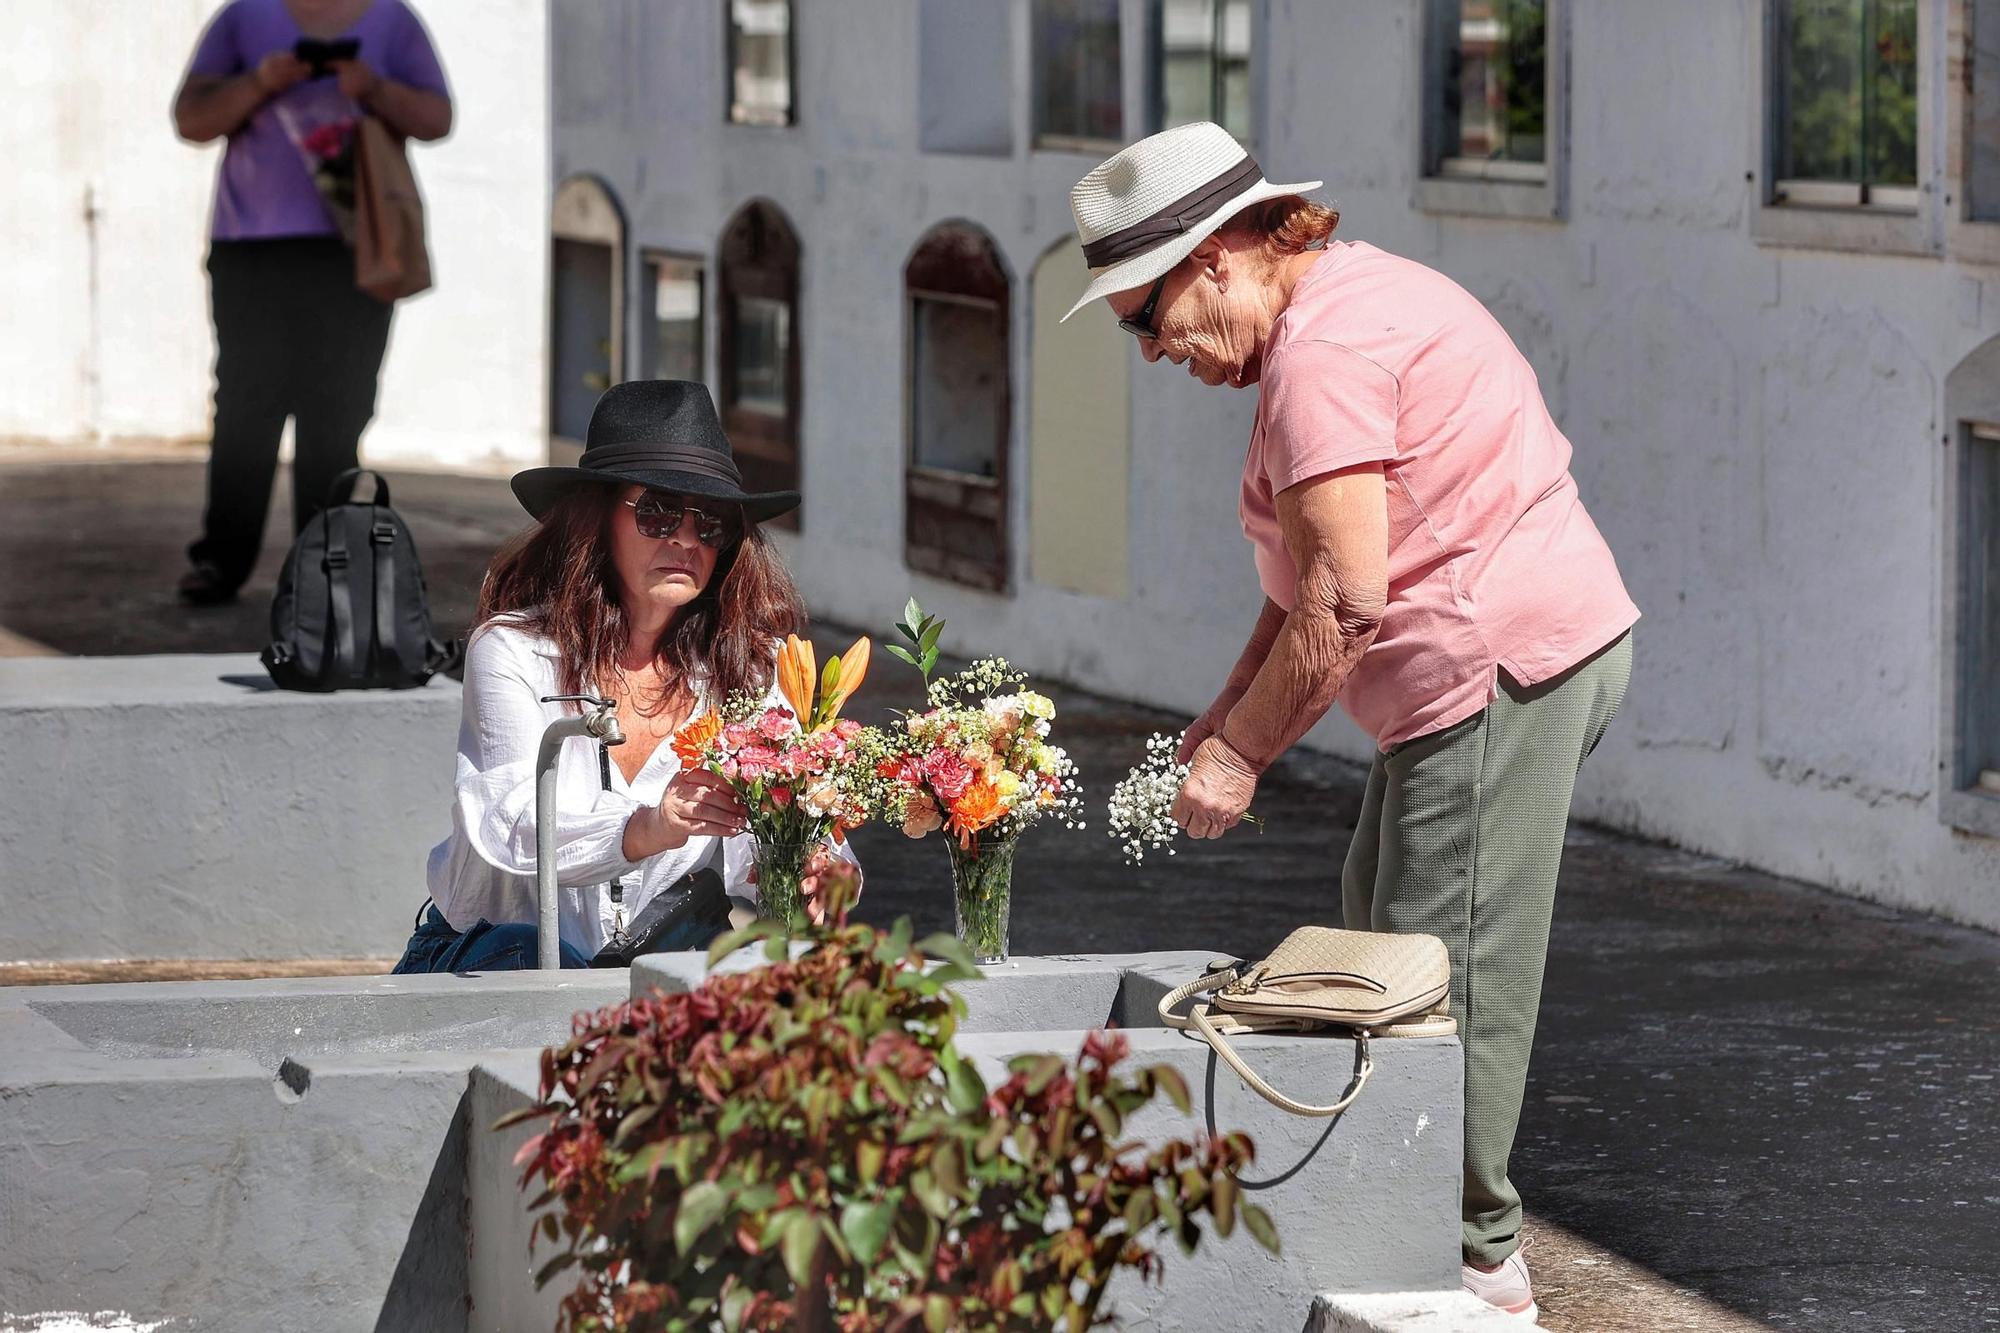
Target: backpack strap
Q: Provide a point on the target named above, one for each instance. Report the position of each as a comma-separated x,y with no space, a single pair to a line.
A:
387,651
337,663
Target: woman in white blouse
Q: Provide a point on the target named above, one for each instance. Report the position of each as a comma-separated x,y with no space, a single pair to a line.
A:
646,581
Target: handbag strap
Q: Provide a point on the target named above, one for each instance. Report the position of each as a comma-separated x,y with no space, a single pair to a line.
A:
1197,1021
617,882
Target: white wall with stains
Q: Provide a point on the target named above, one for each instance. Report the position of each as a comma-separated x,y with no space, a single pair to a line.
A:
1758,430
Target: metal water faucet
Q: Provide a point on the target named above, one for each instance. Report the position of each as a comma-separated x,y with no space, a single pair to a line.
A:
601,724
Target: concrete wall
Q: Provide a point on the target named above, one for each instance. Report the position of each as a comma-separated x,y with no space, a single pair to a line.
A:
304,1155
104,226
1757,426
184,807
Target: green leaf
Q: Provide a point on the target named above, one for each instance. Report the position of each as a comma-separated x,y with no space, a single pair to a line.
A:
703,1202
801,1244
930,660
737,939
1042,1071
553,1267
866,1227
1169,1079
913,615
928,639
901,654
967,1089
950,948
937,1314
632,1123
1259,1224
734,1304
868,1158
1222,1202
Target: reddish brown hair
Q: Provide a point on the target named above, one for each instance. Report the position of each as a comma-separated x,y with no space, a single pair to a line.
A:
1291,224
557,579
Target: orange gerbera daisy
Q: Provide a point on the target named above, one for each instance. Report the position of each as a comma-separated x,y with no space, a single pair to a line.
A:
693,740
976,808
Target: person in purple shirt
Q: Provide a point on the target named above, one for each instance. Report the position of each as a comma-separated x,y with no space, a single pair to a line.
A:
294,336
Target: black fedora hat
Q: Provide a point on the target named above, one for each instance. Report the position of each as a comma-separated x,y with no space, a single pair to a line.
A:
661,434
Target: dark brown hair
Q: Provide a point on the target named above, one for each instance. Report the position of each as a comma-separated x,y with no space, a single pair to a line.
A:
1291,224
557,579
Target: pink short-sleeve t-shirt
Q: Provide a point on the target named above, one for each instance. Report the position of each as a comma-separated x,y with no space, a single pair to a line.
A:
1493,562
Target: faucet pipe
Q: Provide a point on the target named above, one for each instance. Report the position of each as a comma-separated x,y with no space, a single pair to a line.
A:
601,724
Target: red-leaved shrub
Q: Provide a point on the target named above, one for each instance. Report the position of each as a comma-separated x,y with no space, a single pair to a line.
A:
799,1146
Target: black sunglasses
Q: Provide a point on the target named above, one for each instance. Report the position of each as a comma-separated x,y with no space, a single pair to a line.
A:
1141,324
659,516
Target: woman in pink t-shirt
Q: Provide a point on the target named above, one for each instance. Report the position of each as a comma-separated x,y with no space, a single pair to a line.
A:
1425,559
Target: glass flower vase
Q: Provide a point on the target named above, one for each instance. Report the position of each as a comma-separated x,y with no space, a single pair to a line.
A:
982,878
780,882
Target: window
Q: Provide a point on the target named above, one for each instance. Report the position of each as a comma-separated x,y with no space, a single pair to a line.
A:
757,334
1969,796
965,77
1846,118
760,62
1204,64
1982,119
960,390
1493,111
1079,89
1844,138
586,305
671,346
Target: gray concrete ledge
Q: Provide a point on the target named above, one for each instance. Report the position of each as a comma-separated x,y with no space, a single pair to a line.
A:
184,807
1453,1311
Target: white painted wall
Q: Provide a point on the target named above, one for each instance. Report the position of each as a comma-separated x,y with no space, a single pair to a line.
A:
103,227
1757,429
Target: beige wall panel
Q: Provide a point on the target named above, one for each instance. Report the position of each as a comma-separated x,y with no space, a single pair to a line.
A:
1079,437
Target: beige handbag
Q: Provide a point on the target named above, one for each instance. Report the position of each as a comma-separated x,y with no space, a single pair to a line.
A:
390,259
1375,984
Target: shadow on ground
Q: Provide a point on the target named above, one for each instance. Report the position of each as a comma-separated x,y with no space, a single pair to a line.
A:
1753,1104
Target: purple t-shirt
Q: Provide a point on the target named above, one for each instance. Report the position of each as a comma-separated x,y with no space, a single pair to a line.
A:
266,188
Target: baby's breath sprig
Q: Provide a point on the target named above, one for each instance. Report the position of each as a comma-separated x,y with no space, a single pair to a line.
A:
1141,809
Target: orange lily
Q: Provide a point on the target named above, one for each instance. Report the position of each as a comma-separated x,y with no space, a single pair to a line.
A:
693,740
796,678
851,669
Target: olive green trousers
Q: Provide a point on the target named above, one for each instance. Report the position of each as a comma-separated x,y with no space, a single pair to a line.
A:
1460,836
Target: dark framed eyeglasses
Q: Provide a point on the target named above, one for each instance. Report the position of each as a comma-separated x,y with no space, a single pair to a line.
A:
1141,324
659,516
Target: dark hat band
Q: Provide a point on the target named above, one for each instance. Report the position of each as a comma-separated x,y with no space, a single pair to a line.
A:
663,456
1176,218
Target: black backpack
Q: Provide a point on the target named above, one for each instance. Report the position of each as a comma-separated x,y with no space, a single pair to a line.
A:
351,613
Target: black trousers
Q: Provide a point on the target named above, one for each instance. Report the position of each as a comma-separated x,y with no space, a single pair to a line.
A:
294,338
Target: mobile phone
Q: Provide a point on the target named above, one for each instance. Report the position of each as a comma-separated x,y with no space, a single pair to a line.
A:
319,55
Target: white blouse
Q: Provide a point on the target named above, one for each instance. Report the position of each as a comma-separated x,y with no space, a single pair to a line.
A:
486,868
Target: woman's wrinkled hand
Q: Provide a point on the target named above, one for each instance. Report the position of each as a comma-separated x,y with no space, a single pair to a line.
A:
1198,731
1218,791
699,804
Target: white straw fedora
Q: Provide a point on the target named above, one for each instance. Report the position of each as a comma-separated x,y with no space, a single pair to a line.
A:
1144,210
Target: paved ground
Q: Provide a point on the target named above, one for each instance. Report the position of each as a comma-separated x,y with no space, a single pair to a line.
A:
1754,1105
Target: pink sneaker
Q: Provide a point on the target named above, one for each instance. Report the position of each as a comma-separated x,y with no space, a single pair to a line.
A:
1505,1288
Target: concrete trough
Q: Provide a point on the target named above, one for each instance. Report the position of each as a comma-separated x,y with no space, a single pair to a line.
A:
184,807
315,1154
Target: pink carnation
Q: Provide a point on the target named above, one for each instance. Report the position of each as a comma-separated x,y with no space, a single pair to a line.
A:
755,761
775,724
947,773
737,735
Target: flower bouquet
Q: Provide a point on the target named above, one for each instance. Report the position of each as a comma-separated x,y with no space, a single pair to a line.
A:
323,125
977,764
804,772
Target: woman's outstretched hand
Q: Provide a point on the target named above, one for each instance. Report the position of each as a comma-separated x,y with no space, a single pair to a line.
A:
696,804
1217,794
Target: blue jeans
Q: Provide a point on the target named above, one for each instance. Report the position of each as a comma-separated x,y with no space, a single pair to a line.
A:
436,947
